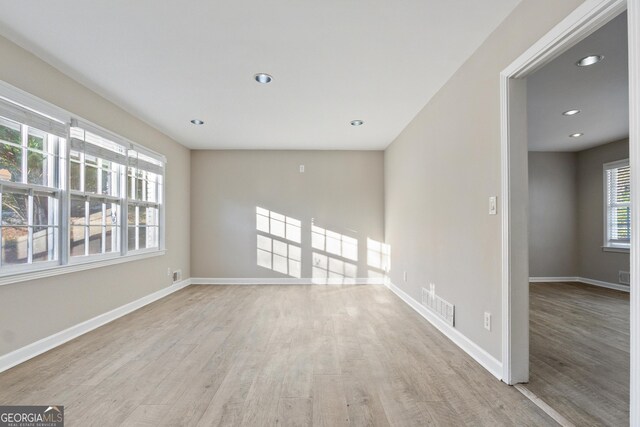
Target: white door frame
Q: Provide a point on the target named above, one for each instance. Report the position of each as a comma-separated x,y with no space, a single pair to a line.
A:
587,18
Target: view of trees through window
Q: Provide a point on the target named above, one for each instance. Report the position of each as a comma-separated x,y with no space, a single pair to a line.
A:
102,198
28,160
143,219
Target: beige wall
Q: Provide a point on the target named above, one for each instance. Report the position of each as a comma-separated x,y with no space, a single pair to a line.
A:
553,214
594,262
33,310
441,170
341,190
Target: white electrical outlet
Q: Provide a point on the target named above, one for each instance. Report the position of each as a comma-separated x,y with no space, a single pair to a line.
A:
177,276
404,276
301,168
487,320
168,271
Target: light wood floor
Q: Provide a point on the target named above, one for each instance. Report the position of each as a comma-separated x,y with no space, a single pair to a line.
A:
265,356
579,352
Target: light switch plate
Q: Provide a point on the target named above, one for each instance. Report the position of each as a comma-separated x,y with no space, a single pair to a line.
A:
493,205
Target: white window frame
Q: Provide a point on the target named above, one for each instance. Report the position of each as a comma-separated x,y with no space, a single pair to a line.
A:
55,133
65,263
159,204
607,245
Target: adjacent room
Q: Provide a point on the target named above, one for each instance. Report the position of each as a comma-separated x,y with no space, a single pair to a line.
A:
298,213
579,229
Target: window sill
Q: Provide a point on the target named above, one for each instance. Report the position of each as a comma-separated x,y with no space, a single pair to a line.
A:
615,249
41,273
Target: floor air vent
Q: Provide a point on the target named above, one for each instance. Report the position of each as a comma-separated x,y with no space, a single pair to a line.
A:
441,308
624,277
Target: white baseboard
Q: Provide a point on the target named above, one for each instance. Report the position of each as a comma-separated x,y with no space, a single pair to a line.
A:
284,281
600,283
490,363
553,279
34,349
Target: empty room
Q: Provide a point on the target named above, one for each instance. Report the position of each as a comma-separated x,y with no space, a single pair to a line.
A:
319,213
579,230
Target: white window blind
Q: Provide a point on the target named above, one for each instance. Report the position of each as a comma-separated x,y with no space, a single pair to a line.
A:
617,204
21,114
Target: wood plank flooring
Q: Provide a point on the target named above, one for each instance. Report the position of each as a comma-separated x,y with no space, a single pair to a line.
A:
269,356
579,352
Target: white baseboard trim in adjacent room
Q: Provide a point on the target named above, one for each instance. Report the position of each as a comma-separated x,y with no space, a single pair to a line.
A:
552,279
284,281
600,283
487,361
32,350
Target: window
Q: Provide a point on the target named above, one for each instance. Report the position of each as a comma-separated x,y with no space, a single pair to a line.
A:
617,204
72,192
29,187
96,168
144,187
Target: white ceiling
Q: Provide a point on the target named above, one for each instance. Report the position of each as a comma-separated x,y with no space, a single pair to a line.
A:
333,61
600,91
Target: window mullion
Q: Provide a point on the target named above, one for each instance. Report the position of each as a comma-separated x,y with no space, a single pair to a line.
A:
124,209
86,226
99,176
64,167
103,229
25,163
82,171
30,227
137,227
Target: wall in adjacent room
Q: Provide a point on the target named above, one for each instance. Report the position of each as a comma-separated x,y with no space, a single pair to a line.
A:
553,214
566,214
594,263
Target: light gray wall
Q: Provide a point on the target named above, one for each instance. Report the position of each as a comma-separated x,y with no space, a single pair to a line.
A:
566,217
342,191
594,263
33,310
441,170
553,214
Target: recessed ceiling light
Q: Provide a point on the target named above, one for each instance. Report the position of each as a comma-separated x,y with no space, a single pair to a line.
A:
570,112
197,122
263,78
589,60
576,135
357,122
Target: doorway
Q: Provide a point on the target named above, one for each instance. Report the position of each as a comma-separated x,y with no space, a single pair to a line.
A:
585,20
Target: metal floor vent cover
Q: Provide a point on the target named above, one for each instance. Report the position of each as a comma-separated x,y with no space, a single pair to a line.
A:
440,307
